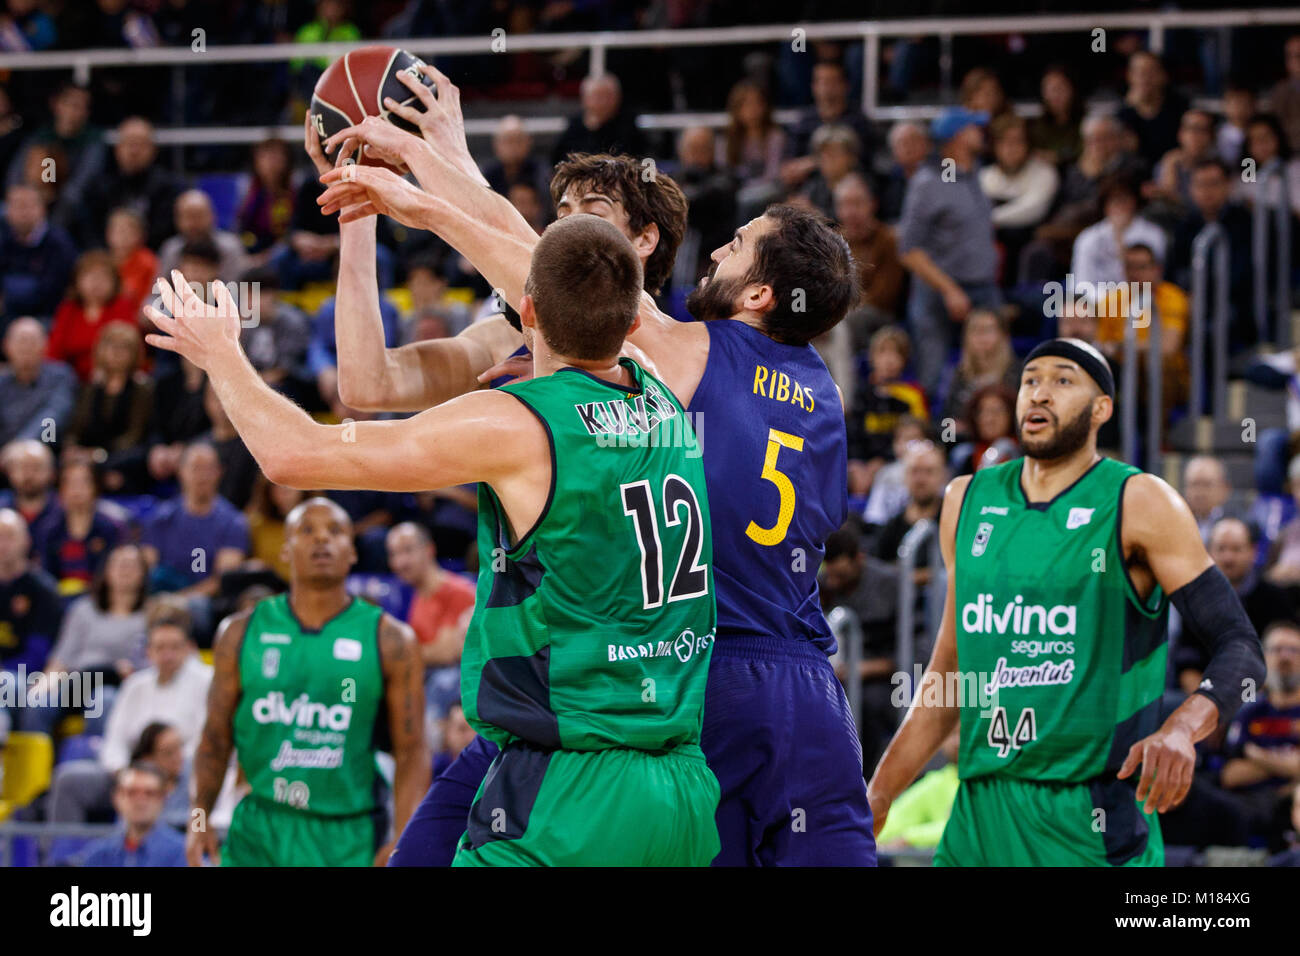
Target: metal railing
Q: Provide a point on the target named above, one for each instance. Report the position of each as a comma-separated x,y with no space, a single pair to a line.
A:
923,534
1211,240
1144,309
44,834
848,634
870,33
1280,207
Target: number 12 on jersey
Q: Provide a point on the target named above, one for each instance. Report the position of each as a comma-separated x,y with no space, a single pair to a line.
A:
691,579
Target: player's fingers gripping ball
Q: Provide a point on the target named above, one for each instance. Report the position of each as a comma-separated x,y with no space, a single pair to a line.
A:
355,86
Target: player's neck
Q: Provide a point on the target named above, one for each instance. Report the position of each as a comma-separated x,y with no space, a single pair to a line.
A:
545,362
315,606
1043,479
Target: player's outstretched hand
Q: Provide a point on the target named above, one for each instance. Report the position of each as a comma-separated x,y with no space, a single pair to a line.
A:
1167,758
201,332
380,140
311,142
519,367
200,843
441,123
360,191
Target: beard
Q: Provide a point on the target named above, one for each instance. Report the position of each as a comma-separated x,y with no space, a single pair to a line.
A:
1283,684
1066,439
715,299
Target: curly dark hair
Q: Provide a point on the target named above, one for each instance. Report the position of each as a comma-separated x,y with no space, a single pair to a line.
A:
648,195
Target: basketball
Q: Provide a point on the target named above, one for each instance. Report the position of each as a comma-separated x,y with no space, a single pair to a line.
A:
354,87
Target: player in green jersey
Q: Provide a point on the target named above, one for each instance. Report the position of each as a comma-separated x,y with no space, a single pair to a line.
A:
1051,653
303,687
588,653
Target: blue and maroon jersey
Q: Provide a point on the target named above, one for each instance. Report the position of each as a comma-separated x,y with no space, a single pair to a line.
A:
772,431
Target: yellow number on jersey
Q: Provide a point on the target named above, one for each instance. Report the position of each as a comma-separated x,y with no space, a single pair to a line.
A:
776,534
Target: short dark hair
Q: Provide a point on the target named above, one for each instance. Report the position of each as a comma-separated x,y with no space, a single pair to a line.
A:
1271,121
147,742
168,610
646,198
845,541
1142,247
585,282
1118,184
1212,161
811,271
204,250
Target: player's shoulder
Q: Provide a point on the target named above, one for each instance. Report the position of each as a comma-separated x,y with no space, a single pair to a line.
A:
231,632
395,637
1149,497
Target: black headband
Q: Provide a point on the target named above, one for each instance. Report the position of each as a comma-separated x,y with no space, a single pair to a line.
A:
1077,350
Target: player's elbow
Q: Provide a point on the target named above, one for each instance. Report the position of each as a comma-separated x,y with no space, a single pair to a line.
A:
365,393
288,468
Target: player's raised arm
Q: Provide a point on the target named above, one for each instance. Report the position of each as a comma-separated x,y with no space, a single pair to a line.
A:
404,697
927,723
217,741
483,436
1161,536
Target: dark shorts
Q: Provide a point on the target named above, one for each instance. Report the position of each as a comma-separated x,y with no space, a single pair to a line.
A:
778,735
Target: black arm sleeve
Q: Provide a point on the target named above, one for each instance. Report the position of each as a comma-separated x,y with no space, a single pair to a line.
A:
1214,618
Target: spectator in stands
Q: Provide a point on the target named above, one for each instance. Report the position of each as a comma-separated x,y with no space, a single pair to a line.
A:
428,289
137,266
323,355
1263,745
1156,300
945,235
991,422
513,160
266,210
29,466
179,417
1078,320
94,301
875,250
1054,134
882,398
35,257
138,796
192,539
111,420
196,221
981,92
161,745
1171,186
836,150
1266,145
1285,97
986,358
1238,111
172,690
80,533
330,25
1206,490
275,339
831,106
868,587
603,126
1151,111
102,635
25,29
1021,188
134,179
266,512
313,241
1283,565
752,147
441,597
1211,202
70,133
30,609
454,735
710,191
36,393
888,495
925,473
909,145
238,469
527,201
1099,250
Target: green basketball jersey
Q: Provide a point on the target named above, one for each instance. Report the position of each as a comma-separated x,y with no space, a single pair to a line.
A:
595,628
1061,665
305,724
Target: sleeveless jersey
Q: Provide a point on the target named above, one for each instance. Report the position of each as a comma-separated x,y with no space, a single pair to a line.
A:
308,706
595,628
1061,664
776,464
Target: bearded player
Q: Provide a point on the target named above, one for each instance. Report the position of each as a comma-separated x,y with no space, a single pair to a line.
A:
1051,653
587,655
304,687
778,731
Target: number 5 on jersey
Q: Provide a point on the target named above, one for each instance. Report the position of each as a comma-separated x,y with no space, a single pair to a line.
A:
785,512
691,579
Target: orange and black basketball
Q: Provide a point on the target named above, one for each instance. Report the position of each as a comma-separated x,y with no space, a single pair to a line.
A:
355,85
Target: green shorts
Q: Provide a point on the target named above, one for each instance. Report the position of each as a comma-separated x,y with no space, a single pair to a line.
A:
614,807
264,834
1004,821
